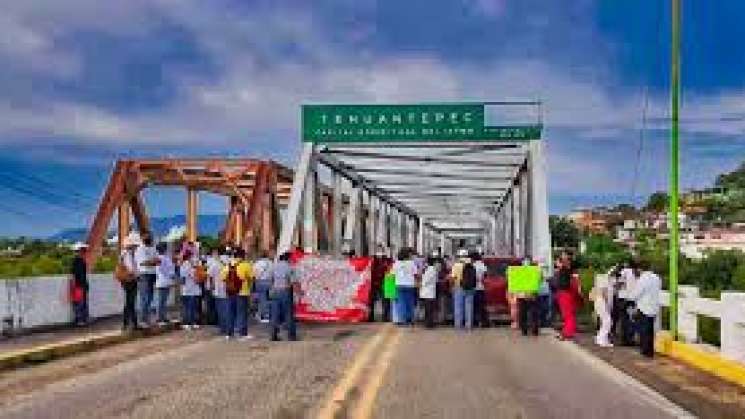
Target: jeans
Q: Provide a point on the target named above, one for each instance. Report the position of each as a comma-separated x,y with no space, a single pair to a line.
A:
190,309
146,285
241,315
262,294
395,316
529,315
163,294
406,302
221,305
545,310
230,308
463,308
129,315
376,294
283,311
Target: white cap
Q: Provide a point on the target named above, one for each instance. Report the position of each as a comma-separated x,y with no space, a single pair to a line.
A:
79,245
133,239
462,253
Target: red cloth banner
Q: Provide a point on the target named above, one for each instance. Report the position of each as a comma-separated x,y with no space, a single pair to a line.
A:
332,290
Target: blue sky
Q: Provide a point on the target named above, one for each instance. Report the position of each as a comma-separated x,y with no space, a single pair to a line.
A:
84,82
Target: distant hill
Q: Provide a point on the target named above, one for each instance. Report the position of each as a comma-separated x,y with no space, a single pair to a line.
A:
208,224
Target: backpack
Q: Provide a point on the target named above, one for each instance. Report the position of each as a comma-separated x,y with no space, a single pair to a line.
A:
200,274
468,281
233,281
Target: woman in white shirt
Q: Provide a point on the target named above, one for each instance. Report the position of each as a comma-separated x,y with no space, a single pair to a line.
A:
406,272
190,291
164,274
427,292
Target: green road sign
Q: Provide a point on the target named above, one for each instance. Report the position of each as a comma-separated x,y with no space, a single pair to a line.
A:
395,123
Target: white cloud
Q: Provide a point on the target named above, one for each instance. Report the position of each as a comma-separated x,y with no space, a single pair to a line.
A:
256,94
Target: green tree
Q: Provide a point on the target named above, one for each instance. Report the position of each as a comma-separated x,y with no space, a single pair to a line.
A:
564,233
657,202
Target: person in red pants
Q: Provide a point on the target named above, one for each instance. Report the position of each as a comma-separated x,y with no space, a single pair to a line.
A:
568,298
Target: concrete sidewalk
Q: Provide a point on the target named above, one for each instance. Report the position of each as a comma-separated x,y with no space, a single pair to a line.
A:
45,346
695,390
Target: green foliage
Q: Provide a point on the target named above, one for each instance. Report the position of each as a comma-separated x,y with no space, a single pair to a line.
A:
601,252
564,233
732,180
657,202
39,258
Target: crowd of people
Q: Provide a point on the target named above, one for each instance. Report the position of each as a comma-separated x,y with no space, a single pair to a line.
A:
223,288
218,287
626,301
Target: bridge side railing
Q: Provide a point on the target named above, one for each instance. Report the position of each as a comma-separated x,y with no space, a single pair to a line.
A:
729,309
40,302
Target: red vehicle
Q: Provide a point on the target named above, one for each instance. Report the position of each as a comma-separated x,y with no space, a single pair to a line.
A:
495,285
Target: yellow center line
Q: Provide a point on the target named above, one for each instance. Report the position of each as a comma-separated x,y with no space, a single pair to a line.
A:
352,374
365,407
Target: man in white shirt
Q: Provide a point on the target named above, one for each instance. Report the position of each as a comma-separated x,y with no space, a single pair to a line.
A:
263,273
646,295
146,259
480,315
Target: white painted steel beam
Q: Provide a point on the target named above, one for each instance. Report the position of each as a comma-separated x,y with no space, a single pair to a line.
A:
296,195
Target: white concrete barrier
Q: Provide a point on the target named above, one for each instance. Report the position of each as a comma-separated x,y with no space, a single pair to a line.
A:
43,301
729,309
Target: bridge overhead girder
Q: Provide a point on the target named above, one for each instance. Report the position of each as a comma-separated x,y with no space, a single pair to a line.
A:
421,193
254,188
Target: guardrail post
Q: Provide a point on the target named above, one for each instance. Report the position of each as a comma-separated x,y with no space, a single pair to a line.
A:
687,319
733,325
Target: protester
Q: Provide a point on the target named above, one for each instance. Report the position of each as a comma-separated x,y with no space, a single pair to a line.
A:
164,274
281,293
428,291
444,290
232,280
190,290
545,300
646,295
263,273
405,270
126,274
378,267
528,309
245,272
463,277
79,285
238,277
568,297
628,278
146,259
480,314
217,285
390,295
601,297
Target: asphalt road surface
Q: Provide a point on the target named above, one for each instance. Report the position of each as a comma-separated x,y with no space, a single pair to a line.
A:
360,371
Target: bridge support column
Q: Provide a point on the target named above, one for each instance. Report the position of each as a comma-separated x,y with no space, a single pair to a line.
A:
337,211
125,225
310,229
540,242
525,213
192,202
372,224
289,225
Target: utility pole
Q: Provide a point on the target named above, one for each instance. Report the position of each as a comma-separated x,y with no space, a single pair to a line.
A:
674,163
